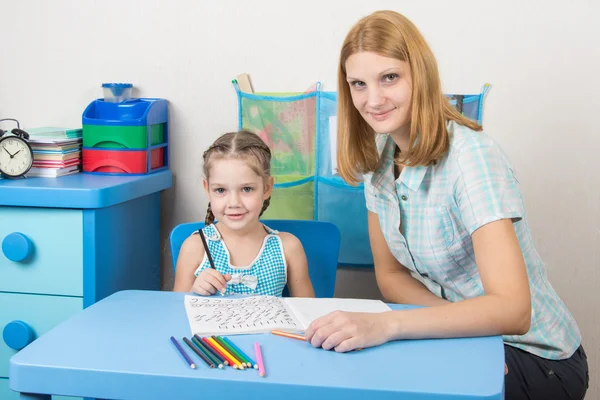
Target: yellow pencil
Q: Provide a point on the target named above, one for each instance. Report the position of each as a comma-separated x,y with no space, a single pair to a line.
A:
214,342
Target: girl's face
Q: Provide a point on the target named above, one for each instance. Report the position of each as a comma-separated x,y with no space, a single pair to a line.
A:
236,193
381,90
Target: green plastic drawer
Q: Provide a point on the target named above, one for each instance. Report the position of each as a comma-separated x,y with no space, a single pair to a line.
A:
122,137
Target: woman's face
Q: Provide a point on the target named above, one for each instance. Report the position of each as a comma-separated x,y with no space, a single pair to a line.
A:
381,90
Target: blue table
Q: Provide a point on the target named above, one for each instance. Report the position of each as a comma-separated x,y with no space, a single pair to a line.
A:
119,348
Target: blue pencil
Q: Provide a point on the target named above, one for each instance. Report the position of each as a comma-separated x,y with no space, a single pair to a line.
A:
229,342
183,353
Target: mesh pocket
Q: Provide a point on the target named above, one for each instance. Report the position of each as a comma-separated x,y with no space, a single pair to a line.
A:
287,125
292,198
469,105
344,205
327,134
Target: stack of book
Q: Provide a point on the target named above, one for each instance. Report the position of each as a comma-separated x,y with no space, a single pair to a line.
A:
56,151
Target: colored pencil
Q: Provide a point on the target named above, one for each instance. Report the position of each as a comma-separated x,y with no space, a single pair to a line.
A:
288,335
217,351
203,356
248,359
183,353
233,351
203,348
222,352
209,352
235,361
210,259
261,364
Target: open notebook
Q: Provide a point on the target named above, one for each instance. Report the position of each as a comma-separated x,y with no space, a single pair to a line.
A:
257,314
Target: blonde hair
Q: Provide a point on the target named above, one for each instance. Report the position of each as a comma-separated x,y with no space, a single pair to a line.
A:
244,145
392,35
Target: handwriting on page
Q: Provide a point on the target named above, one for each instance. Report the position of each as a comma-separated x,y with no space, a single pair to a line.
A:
250,314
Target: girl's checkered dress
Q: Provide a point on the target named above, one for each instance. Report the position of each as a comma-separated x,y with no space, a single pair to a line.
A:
268,271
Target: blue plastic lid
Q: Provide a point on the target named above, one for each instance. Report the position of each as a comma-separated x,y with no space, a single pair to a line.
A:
117,85
117,88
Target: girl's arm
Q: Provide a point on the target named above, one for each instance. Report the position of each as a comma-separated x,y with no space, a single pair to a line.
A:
394,280
208,282
504,309
189,259
298,280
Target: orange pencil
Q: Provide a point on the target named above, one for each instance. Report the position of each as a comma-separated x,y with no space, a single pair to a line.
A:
232,360
288,335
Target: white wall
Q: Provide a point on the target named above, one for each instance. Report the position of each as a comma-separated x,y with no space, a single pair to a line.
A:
539,56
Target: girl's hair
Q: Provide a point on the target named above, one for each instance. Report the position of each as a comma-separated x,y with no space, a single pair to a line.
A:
244,145
392,35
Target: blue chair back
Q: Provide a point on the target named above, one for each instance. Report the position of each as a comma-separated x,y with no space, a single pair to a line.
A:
321,242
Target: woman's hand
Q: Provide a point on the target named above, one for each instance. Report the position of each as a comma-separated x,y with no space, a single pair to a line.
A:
346,331
210,281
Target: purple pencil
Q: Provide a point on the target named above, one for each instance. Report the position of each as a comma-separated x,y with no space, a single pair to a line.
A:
183,353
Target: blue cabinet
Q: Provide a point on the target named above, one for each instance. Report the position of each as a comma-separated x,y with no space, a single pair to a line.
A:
66,243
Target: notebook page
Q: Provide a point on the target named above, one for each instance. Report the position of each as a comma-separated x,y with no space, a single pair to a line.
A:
307,310
217,315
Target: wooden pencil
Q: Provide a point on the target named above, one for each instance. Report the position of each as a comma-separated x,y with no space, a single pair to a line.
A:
248,359
235,361
203,348
203,356
216,351
288,335
183,353
210,352
233,351
222,352
259,358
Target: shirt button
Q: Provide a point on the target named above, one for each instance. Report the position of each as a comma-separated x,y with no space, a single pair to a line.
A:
404,198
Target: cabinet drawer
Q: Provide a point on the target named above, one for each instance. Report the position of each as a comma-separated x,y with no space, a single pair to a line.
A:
42,250
39,313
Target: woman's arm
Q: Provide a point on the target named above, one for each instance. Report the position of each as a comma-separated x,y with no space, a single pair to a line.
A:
394,280
504,309
298,280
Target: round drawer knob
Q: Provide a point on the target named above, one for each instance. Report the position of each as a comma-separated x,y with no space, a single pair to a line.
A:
17,247
17,334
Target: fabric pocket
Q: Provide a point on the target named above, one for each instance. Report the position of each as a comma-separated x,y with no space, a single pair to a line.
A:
292,198
344,206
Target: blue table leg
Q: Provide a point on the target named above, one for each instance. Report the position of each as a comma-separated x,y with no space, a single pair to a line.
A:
31,396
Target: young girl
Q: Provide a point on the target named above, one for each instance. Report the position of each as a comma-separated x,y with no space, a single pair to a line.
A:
249,257
447,223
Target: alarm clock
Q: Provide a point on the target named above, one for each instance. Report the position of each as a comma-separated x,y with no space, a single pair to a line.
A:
16,155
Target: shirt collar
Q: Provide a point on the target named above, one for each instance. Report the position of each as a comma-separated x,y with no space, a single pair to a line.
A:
412,177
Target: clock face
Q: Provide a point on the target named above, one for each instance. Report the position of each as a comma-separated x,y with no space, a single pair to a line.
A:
16,157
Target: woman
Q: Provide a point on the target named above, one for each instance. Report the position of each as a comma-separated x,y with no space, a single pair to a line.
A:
446,220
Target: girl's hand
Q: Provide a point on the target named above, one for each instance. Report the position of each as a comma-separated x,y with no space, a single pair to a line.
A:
210,281
345,331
